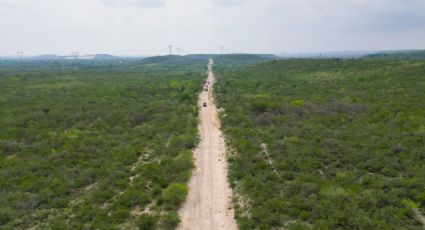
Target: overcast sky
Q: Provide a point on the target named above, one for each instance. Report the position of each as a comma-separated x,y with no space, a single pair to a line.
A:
147,27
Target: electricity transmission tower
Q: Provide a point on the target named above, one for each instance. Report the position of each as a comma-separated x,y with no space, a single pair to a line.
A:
179,50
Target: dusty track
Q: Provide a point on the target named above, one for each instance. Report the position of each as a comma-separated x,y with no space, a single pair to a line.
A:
208,205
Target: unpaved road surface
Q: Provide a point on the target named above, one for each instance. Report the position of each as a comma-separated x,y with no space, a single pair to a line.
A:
208,205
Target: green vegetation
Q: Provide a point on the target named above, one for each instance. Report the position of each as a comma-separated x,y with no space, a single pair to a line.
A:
399,55
95,145
315,144
326,144
201,59
174,195
241,59
172,60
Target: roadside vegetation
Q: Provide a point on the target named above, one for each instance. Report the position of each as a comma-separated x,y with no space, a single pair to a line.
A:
96,145
326,144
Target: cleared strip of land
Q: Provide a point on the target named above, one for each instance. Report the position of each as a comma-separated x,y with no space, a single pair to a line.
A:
208,205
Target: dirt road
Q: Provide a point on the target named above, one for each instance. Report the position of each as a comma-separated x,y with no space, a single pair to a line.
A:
208,205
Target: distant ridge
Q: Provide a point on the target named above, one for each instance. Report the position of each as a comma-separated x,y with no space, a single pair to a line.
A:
400,54
231,56
82,57
163,59
105,57
219,59
242,59
46,57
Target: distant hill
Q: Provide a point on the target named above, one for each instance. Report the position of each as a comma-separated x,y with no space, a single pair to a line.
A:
225,59
46,57
201,56
219,59
105,57
95,57
242,59
404,55
170,60
163,59
327,54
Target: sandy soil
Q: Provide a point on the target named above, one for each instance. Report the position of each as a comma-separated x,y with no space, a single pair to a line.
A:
208,205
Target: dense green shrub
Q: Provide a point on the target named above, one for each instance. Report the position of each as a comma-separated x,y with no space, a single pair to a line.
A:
147,222
174,195
171,220
89,145
5,216
345,144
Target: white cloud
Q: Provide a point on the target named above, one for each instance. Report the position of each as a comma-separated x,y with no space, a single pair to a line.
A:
148,26
130,3
230,2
